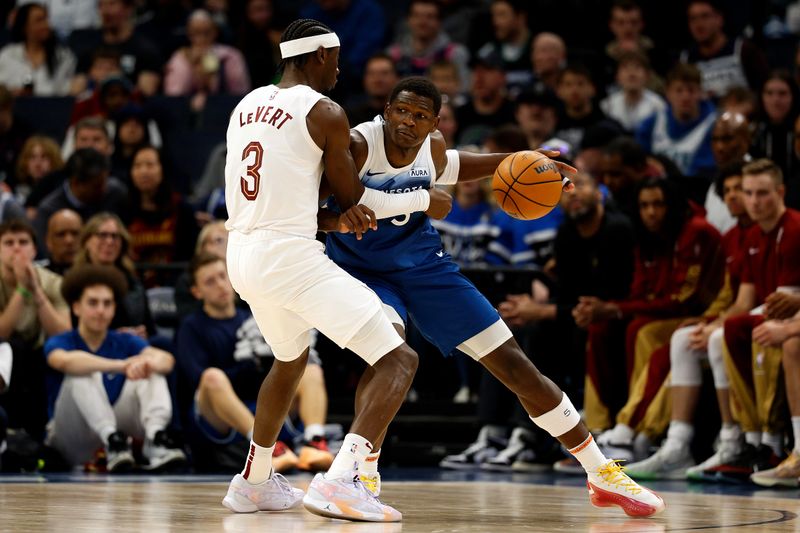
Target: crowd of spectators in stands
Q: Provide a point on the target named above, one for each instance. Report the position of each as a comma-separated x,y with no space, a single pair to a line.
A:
686,134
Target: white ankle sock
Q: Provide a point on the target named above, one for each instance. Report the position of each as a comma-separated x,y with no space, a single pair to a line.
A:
353,452
753,438
796,431
369,465
774,441
258,467
679,434
589,455
313,430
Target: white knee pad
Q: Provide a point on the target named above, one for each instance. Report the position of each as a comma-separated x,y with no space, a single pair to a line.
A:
376,338
715,359
684,362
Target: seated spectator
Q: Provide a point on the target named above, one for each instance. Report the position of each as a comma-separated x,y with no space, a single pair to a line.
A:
426,43
537,116
113,96
723,62
512,42
222,362
35,64
682,132
677,273
13,134
576,91
162,225
730,142
105,63
131,126
380,77
32,310
88,191
488,106
258,39
62,242
107,386
88,133
447,78
139,58
213,239
39,156
626,24
67,16
632,103
792,181
549,57
205,66
623,168
774,126
105,241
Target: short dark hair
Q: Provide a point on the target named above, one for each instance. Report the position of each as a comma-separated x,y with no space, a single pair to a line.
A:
678,212
297,30
18,225
577,69
729,170
92,123
686,73
87,164
509,138
78,278
630,152
625,5
713,4
381,56
633,56
199,261
421,87
519,6
431,2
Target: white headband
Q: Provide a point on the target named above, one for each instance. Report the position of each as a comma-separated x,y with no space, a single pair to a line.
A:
305,45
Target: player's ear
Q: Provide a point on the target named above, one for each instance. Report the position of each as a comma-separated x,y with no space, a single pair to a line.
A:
435,124
386,110
321,54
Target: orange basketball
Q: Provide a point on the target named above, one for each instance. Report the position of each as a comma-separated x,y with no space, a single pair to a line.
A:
527,185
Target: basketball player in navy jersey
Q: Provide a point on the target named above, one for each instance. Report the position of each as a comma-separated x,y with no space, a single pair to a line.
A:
280,138
404,263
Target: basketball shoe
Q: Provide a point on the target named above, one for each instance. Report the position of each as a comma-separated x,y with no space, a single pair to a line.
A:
274,494
119,457
283,458
732,463
162,452
372,482
669,462
784,475
610,486
314,455
617,442
484,448
347,498
521,439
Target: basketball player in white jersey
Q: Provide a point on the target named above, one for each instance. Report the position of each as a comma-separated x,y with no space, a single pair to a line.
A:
404,263
280,138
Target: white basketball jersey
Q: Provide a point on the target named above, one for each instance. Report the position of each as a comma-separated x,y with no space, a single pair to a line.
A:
273,166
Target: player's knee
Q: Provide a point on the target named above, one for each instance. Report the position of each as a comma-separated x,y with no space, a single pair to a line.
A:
214,380
402,362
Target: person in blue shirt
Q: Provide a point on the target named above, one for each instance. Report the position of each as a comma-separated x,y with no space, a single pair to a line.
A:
222,361
405,264
107,386
682,131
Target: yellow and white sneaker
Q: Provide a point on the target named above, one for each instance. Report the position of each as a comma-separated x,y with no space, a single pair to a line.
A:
610,486
372,482
783,475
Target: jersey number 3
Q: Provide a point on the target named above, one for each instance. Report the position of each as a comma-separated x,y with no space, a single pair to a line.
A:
251,182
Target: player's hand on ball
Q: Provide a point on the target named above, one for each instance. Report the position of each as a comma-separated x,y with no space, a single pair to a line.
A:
566,170
358,219
441,204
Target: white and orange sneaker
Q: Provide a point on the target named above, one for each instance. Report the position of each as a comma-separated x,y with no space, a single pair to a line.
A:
274,494
347,498
611,486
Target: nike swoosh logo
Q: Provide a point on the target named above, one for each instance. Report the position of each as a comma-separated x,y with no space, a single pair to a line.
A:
440,254
370,173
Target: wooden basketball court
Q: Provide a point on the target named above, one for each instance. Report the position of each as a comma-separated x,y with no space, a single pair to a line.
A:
192,503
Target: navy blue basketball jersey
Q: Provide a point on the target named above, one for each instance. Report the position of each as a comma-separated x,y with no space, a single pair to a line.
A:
401,242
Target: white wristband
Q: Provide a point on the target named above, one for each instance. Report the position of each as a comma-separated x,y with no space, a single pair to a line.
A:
386,205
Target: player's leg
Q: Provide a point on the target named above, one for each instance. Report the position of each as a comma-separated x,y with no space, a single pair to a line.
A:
786,474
